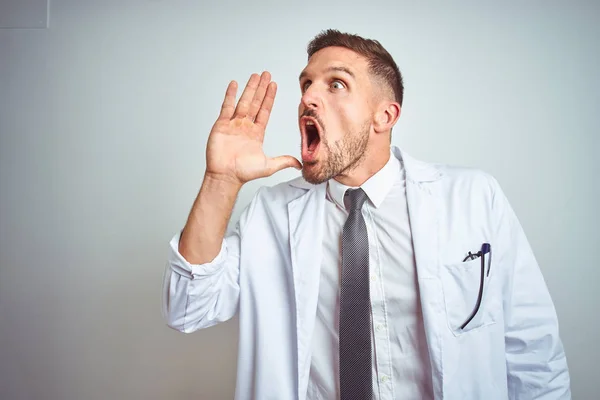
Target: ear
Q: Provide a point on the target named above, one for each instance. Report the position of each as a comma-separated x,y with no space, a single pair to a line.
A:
386,116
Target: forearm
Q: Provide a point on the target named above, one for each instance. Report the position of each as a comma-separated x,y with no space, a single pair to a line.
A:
207,222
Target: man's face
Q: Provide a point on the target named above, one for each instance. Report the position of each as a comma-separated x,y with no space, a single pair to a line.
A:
335,113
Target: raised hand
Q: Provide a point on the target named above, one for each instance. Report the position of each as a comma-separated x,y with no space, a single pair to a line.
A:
235,146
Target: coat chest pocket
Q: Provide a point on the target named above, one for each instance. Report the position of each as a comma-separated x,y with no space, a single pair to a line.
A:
465,286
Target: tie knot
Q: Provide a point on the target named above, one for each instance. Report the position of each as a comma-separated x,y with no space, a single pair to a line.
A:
355,198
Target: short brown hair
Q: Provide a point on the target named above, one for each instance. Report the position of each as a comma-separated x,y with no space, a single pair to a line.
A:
381,63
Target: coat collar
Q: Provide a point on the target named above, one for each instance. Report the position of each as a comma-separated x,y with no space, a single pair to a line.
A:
416,171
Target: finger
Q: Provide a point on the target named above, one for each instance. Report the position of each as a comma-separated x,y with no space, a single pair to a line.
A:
228,106
282,162
259,95
267,105
246,98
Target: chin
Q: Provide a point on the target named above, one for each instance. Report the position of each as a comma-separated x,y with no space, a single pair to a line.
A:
313,174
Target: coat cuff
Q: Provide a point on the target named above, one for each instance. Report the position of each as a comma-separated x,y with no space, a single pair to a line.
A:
182,267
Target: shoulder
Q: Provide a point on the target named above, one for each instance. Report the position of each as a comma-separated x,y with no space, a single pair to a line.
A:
455,183
272,200
450,176
472,188
284,192
457,175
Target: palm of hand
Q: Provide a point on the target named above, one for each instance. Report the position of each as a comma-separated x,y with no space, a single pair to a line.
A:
234,149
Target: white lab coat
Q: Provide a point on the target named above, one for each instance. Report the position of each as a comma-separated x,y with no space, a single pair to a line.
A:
268,271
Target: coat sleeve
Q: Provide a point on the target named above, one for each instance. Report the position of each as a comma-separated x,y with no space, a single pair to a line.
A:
197,296
535,358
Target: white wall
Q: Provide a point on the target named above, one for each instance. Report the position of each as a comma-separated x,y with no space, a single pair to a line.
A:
104,118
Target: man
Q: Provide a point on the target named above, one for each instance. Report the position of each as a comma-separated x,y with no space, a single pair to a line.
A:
374,275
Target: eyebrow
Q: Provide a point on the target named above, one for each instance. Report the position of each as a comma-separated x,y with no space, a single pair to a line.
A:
330,69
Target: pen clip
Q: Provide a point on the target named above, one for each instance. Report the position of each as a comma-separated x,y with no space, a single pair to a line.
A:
485,249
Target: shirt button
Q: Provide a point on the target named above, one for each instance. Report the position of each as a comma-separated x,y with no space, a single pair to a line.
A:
379,327
373,277
384,379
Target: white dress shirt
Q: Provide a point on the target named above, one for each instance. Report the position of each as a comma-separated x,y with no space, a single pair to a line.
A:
401,368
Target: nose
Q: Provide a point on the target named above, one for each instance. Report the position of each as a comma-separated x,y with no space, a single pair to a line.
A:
311,98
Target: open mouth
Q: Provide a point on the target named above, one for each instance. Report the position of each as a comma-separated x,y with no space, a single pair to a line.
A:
312,136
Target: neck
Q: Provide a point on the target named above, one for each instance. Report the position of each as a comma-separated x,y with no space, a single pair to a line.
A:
373,161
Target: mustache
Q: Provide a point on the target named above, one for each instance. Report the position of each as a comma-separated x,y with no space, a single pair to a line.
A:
309,112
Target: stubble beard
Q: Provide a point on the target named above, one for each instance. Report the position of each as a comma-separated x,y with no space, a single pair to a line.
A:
341,157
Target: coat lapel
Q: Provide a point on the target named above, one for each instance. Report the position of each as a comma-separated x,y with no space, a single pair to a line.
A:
422,192
306,236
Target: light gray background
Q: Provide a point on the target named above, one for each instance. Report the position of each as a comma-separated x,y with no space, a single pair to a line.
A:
104,118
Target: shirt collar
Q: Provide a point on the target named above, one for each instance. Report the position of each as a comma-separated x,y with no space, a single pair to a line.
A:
376,187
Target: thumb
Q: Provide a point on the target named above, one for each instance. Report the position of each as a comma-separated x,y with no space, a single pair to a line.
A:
278,163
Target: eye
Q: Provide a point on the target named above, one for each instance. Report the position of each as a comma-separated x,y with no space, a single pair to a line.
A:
337,85
304,86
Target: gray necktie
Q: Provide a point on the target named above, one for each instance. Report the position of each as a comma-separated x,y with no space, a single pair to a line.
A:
355,304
